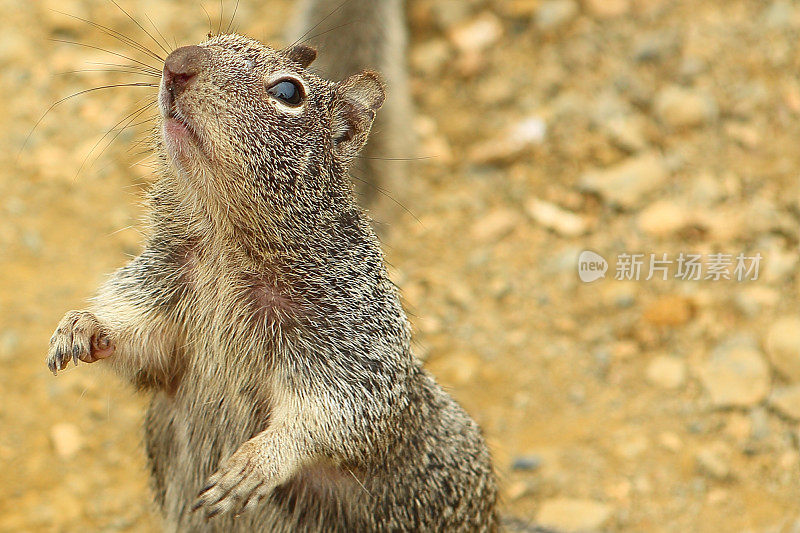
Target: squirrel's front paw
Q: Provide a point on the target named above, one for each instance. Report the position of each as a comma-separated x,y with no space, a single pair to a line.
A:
239,484
79,335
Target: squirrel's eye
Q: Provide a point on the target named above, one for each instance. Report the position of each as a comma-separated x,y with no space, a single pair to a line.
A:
287,91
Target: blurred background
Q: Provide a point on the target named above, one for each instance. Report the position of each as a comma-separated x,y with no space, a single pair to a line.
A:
545,127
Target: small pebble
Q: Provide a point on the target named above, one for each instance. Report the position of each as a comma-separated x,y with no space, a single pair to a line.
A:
429,57
512,143
477,34
779,15
555,218
759,418
751,300
573,514
627,132
555,14
632,446
786,401
670,441
681,108
527,463
666,372
783,346
655,46
626,183
66,439
449,13
494,225
669,310
714,462
663,218
604,9
517,490
9,343
735,376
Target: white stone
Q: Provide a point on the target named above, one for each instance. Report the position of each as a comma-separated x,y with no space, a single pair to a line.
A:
477,34
662,218
751,300
736,376
494,225
573,514
554,14
786,400
512,143
682,108
430,56
531,130
625,184
714,461
626,131
783,347
666,372
670,441
66,439
555,218
607,8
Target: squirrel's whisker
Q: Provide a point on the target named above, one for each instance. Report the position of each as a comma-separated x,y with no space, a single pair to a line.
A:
235,9
76,43
320,34
130,117
145,121
116,35
315,26
153,24
118,70
221,15
149,70
73,95
139,25
384,192
141,141
374,158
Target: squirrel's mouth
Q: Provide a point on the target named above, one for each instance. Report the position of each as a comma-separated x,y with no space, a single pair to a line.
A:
176,126
178,132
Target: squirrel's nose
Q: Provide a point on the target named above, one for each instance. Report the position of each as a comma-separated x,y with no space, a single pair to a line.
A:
181,66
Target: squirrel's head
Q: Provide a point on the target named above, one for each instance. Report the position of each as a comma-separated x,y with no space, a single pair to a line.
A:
252,128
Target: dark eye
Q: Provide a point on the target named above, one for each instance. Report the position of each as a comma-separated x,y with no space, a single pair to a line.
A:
289,92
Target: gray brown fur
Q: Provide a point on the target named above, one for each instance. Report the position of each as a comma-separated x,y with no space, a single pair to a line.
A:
356,35
261,319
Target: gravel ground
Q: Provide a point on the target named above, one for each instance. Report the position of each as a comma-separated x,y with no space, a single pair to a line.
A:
546,128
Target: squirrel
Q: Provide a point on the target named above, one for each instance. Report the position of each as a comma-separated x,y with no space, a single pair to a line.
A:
261,320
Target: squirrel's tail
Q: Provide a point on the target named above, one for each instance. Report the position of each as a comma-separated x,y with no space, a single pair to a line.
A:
356,35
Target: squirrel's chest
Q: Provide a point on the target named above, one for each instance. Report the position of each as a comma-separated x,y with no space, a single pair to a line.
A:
238,306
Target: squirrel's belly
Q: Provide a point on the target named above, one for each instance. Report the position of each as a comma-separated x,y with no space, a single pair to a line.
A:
187,440
188,437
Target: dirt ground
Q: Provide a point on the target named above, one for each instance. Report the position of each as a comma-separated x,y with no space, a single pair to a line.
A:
546,128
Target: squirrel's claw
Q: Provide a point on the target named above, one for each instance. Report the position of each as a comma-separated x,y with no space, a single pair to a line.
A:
79,336
238,486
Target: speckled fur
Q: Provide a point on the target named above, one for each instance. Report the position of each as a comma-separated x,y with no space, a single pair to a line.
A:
261,319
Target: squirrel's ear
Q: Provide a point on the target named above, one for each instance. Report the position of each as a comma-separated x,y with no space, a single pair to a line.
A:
356,101
302,54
